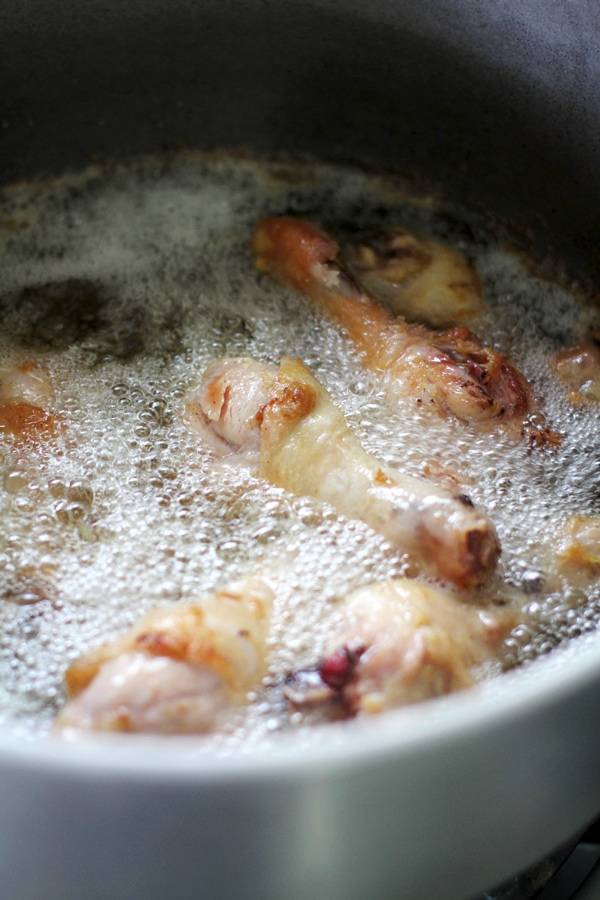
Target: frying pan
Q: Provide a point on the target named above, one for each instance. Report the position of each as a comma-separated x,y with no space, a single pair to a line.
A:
498,105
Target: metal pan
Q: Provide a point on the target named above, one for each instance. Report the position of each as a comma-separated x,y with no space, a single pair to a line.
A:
499,103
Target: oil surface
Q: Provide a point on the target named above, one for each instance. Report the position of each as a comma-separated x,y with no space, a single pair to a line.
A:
125,282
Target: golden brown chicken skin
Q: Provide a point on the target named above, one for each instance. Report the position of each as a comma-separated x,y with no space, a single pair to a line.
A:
579,546
26,393
180,670
448,371
578,368
421,280
299,440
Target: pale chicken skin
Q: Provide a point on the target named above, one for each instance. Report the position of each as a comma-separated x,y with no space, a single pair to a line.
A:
449,372
402,642
299,441
422,280
223,407
26,396
181,670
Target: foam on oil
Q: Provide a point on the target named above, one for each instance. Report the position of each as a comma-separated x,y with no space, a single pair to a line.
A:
125,282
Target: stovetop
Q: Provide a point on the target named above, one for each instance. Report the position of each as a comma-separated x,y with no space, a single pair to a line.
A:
572,872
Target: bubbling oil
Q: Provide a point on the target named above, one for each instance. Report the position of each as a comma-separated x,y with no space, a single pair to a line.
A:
125,281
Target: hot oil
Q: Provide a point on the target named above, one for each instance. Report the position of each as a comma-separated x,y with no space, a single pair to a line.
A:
126,510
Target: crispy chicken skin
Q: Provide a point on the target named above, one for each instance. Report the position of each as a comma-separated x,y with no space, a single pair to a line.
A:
579,369
302,444
403,641
422,280
180,670
449,371
25,394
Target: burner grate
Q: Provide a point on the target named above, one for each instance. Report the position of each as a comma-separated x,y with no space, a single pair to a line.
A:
572,871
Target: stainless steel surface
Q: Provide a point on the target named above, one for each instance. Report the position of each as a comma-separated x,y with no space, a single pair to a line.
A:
493,780
500,103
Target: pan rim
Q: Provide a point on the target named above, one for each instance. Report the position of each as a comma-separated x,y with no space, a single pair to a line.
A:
505,701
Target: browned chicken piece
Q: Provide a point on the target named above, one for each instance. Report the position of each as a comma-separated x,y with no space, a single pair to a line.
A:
579,547
403,642
448,371
180,670
300,442
579,369
419,279
25,394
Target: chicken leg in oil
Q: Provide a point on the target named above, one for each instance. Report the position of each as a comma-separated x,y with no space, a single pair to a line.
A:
449,371
298,439
180,670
